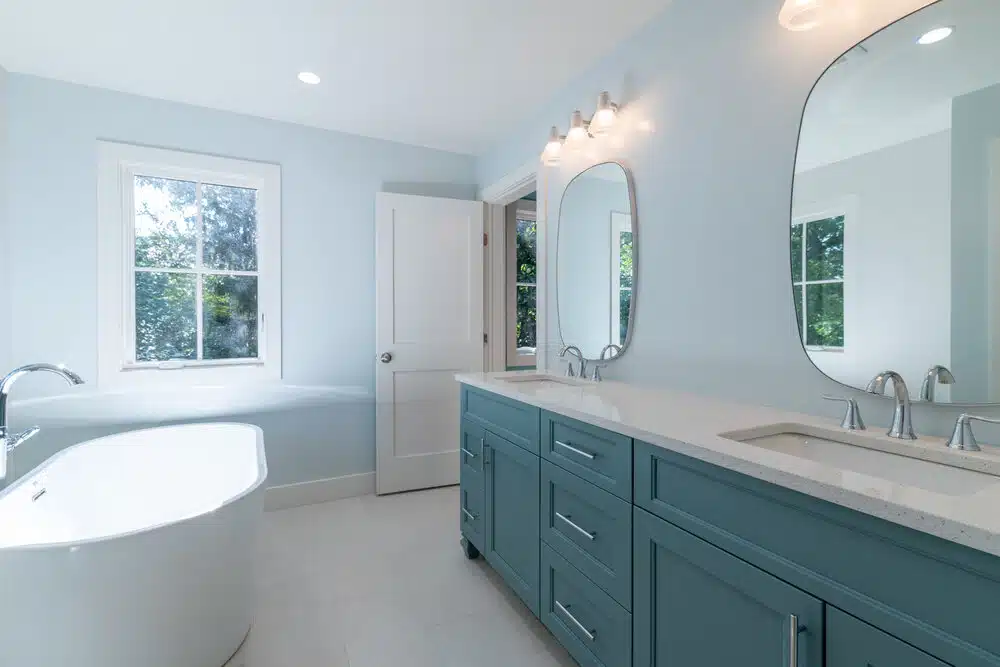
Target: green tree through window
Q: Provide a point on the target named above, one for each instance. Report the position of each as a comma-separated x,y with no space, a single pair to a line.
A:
195,253
818,280
527,284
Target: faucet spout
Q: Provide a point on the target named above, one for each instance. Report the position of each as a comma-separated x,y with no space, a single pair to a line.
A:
902,423
932,377
7,442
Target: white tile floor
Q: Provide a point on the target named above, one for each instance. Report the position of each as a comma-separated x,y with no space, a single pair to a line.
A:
382,582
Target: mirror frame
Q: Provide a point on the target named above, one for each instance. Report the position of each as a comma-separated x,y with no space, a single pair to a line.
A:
791,213
630,183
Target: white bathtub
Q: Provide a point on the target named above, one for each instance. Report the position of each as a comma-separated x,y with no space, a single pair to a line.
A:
135,550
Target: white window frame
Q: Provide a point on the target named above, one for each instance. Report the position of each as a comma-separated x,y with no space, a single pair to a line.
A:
118,164
815,214
620,222
517,357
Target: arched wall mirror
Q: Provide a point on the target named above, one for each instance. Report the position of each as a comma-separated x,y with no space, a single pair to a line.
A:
596,262
895,230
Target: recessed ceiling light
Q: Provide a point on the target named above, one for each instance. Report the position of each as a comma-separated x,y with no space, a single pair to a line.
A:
936,35
309,77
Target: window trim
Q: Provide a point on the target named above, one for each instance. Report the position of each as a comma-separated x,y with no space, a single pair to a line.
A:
620,222
518,210
118,164
815,213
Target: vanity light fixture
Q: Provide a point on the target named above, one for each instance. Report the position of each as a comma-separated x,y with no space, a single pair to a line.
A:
309,78
936,35
800,15
581,130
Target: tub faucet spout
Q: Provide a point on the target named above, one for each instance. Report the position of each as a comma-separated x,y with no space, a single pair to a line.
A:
8,441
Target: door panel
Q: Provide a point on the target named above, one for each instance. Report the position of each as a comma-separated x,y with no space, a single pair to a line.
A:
512,533
428,326
695,604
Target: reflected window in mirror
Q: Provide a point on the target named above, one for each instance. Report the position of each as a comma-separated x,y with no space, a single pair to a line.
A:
818,279
522,284
621,272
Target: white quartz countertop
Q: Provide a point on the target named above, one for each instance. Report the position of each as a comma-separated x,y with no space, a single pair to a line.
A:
691,425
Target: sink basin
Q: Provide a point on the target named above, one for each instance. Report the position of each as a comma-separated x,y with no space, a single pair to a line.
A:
541,381
863,454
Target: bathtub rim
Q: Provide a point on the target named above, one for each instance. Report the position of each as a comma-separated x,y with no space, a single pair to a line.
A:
250,489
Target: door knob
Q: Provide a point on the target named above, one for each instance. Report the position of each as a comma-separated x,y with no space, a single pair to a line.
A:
385,357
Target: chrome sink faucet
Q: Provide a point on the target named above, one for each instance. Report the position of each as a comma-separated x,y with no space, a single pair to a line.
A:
10,442
574,351
902,424
932,377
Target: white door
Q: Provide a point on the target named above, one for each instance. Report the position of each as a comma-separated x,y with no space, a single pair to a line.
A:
428,326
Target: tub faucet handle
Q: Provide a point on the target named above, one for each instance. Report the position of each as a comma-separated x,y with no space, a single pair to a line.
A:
16,440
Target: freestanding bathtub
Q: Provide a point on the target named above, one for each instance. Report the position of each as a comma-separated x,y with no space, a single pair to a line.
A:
134,550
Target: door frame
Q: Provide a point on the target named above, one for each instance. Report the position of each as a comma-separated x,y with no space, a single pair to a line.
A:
510,188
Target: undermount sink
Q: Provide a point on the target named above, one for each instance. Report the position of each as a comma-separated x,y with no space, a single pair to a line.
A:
541,380
863,454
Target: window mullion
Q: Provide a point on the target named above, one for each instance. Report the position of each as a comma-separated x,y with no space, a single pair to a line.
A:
199,266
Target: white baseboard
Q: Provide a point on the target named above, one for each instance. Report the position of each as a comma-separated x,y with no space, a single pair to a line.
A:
318,491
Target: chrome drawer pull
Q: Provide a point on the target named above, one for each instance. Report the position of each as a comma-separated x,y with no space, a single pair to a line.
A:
470,515
586,455
586,533
591,634
468,453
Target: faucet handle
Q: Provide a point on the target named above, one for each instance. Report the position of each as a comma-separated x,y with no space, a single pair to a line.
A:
18,439
963,438
596,377
852,418
570,373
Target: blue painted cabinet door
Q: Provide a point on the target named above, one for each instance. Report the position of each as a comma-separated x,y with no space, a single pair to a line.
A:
694,604
512,529
853,643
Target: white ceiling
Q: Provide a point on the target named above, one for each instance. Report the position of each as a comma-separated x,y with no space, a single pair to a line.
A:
450,74
900,90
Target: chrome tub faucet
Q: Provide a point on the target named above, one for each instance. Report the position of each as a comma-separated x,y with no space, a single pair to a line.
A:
9,442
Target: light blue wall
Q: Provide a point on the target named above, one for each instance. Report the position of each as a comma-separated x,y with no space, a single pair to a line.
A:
329,181
975,126
4,245
723,88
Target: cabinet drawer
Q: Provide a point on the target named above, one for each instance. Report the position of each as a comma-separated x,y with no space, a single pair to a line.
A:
594,628
472,512
854,643
471,441
590,528
598,456
511,420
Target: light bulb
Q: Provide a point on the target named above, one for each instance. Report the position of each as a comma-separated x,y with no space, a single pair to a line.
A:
309,78
604,117
577,129
799,15
936,35
552,154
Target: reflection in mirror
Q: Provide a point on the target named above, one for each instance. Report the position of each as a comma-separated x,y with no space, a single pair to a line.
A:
895,235
595,273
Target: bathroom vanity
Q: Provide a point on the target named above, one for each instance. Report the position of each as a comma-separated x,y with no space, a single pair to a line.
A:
652,528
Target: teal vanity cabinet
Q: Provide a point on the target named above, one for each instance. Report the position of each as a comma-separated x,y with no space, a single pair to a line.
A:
634,555
500,488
